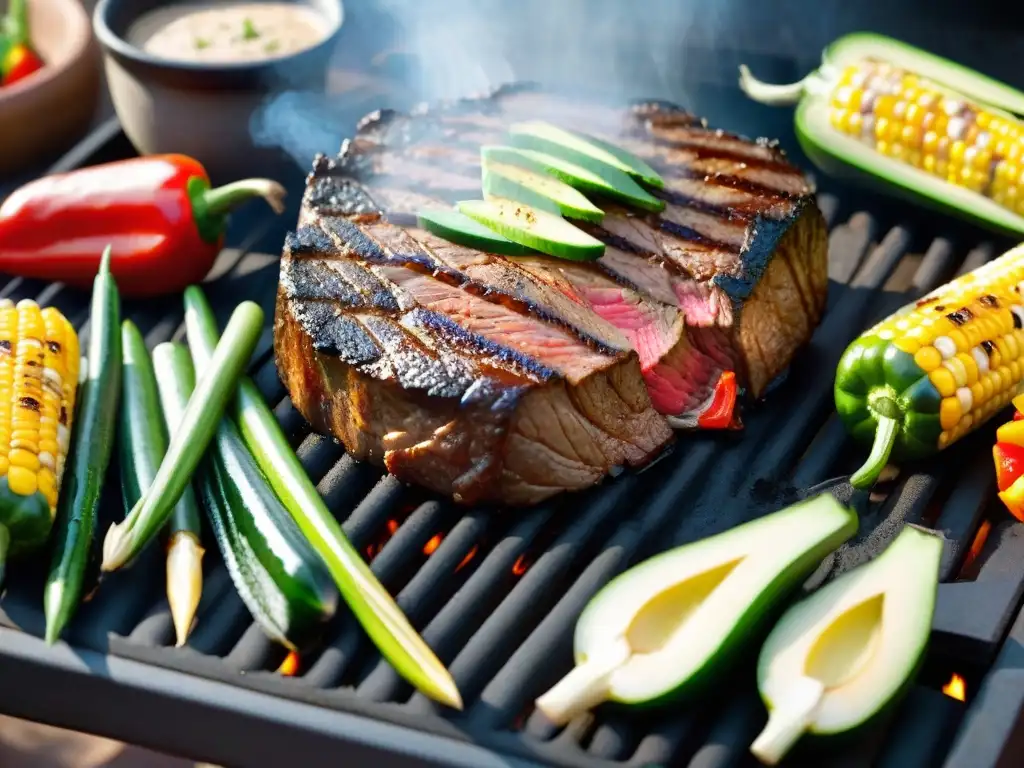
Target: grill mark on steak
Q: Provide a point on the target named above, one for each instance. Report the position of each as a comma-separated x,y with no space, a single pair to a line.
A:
428,283
495,280
336,334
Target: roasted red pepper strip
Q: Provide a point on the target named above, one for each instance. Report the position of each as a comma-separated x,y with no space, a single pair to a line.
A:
720,413
17,59
164,222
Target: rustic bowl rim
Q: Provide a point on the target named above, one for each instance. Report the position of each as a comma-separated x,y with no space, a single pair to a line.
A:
117,45
74,15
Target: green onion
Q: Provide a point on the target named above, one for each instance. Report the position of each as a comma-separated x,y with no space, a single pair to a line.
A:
372,605
190,440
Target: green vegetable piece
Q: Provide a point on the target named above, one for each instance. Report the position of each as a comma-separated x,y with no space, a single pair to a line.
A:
538,190
143,443
846,156
277,574
670,626
92,443
249,31
371,604
539,230
881,395
190,439
595,178
460,229
582,149
840,658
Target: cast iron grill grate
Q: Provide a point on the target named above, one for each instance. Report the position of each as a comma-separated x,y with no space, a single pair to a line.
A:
497,595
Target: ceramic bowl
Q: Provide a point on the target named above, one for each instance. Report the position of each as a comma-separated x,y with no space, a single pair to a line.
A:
50,109
205,110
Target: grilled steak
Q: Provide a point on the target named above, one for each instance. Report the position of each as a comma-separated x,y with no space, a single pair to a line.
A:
493,378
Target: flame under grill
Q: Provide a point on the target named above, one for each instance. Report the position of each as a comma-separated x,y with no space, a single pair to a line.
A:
496,595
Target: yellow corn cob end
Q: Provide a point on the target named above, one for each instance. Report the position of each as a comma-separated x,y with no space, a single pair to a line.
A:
38,380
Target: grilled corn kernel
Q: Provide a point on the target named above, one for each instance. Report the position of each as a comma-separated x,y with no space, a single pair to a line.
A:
914,123
970,343
38,379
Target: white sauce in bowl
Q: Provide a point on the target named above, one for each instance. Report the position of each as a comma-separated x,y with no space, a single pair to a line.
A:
228,31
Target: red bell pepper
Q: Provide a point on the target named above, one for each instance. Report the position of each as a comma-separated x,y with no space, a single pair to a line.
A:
164,222
1009,461
17,58
720,413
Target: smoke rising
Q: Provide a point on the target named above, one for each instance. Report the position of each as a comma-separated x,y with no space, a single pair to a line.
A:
396,53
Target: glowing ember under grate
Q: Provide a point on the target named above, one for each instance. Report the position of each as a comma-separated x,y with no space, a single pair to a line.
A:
956,688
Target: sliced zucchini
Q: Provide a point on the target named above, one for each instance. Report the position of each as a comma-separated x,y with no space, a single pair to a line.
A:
582,149
462,230
539,230
538,190
608,182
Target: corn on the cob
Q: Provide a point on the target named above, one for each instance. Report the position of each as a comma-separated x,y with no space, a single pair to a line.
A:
939,367
911,119
38,379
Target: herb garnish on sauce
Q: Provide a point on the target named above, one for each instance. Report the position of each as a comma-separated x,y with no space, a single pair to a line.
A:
248,30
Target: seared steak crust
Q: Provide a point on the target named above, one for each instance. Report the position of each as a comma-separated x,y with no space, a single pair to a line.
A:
497,379
450,382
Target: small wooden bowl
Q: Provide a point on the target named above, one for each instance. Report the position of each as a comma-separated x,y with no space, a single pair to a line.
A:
51,108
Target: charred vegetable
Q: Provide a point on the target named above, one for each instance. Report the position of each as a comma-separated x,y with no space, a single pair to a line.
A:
166,225
38,379
932,129
371,603
277,574
191,437
936,369
94,433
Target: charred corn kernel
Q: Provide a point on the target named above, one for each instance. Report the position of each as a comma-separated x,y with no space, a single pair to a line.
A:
963,143
38,379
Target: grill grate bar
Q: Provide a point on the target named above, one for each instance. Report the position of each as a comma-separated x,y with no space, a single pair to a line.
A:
727,742
920,735
422,596
474,602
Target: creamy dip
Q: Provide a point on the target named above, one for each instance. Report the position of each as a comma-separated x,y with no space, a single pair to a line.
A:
228,31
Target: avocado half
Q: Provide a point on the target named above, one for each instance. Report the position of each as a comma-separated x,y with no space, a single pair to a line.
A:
845,156
841,657
669,625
